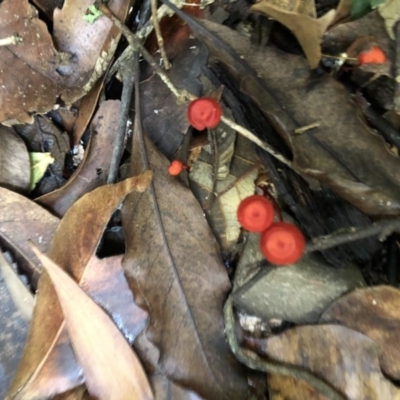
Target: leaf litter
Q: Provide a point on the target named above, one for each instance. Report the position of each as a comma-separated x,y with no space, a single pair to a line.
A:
169,296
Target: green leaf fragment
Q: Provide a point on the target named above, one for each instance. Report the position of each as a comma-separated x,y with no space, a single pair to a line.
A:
39,164
92,14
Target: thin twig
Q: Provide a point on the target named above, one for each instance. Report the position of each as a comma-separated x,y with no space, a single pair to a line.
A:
183,95
382,229
128,83
157,30
273,367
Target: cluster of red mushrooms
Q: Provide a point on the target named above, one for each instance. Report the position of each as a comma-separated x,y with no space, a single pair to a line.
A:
281,243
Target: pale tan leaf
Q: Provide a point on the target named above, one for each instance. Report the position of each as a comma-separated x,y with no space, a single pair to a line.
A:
307,29
390,12
111,368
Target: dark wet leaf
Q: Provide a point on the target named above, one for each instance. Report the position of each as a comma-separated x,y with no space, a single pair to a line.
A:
375,313
343,153
173,265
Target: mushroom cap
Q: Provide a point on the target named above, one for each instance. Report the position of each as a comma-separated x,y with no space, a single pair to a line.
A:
255,213
204,113
283,243
375,55
176,167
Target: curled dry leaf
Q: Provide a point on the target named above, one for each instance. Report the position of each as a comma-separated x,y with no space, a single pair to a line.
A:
22,219
342,153
174,267
112,370
300,18
93,170
14,161
375,313
346,359
48,365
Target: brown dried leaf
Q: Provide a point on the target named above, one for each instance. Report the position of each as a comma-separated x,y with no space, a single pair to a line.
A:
48,365
300,18
173,264
390,12
15,169
92,45
34,74
346,359
93,170
22,219
29,79
112,370
375,313
342,152
237,185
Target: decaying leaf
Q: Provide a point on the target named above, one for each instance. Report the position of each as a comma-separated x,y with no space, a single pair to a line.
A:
34,74
300,18
29,80
22,219
343,152
375,313
48,365
173,265
39,164
93,170
20,294
14,161
237,185
346,359
14,327
112,370
390,12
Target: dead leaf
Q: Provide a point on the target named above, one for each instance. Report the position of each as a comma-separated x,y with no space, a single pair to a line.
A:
173,265
390,12
93,170
374,312
237,185
29,77
20,294
112,370
300,18
14,161
91,54
346,359
44,136
13,332
47,73
48,365
22,219
343,152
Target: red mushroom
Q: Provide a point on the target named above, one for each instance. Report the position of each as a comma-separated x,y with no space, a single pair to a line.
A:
373,56
255,213
204,113
283,243
176,167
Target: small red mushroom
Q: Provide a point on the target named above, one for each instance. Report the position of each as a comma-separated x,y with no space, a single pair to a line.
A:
204,113
255,213
373,56
176,167
283,243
